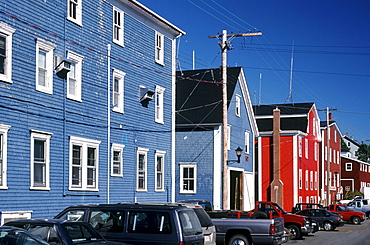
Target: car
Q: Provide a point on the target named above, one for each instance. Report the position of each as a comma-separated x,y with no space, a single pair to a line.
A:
140,223
62,232
327,220
205,204
17,236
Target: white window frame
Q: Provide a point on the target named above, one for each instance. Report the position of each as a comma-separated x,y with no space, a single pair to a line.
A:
315,151
159,104
117,148
84,144
7,32
182,178
44,136
48,49
306,147
306,179
299,146
77,63
237,105
311,180
246,141
7,216
142,173
300,181
77,4
316,183
348,166
159,173
159,48
3,155
118,106
118,26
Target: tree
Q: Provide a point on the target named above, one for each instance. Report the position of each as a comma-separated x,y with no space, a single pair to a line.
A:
363,153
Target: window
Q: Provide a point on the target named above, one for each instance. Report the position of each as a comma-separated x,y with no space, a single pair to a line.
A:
40,160
159,49
306,180
315,151
74,77
348,166
141,174
117,160
75,11
246,140
306,147
159,98
314,127
300,178
117,26
316,183
7,216
237,105
3,154
311,180
83,162
159,170
44,66
299,146
188,181
6,34
118,90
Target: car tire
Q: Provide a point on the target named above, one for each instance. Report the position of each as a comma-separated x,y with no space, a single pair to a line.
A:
259,215
356,220
328,226
238,240
295,231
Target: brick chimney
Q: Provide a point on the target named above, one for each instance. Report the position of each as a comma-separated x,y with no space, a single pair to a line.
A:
276,187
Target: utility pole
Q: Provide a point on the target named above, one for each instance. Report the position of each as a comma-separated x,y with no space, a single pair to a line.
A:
225,45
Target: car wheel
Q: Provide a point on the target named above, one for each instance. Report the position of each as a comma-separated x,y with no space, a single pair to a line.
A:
328,226
356,220
238,240
295,231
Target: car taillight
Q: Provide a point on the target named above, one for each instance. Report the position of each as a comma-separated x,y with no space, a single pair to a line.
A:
272,229
181,243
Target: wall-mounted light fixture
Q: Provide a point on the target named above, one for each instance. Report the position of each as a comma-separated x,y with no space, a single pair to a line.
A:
238,152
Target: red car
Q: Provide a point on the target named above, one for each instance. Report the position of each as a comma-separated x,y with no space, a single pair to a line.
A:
348,215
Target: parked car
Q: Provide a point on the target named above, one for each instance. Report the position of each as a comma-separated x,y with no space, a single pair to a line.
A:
301,206
17,236
348,215
140,223
360,206
326,219
205,204
62,232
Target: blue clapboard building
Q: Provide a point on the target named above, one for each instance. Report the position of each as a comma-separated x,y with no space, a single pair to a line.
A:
86,105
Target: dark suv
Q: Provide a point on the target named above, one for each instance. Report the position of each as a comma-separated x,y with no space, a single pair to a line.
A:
140,223
326,219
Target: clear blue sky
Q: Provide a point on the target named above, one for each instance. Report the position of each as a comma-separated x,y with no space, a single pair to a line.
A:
331,50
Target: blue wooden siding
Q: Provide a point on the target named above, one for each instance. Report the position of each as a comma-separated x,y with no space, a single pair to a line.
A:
24,109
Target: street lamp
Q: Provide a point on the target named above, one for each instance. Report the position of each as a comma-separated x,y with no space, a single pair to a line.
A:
238,152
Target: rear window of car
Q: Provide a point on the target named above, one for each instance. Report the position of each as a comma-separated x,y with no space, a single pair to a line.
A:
189,222
107,220
149,222
76,214
203,217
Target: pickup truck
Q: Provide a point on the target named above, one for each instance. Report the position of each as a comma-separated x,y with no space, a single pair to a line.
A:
348,215
359,206
249,231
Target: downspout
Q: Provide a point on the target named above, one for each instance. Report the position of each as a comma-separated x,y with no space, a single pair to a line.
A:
108,122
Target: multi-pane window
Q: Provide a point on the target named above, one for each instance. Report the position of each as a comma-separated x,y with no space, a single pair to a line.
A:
74,77
159,48
237,105
188,181
117,26
159,104
117,160
40,160
159,171
6,33
118,90
44,66
75,11
3,154
348,166
84,155
141,174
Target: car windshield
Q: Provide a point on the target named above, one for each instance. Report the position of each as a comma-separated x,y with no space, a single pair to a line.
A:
277,206
80,233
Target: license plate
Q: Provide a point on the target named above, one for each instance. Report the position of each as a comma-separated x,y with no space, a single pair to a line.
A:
207,238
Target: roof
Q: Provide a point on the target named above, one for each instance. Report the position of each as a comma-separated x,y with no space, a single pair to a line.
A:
199,95
346,137
292,116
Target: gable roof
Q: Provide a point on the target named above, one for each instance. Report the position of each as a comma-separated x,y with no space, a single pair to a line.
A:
201,101
292,116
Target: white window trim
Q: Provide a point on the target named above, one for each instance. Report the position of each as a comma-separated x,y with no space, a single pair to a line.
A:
188,165
42,136
306,180
7,216
159,58
4,132
117,147
237,105
299,146
118,41
348,166
48,47
142,151
159,104
7,32
121,76
84,143
247,139
306,148
159,154
77,60
300,180
78,19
